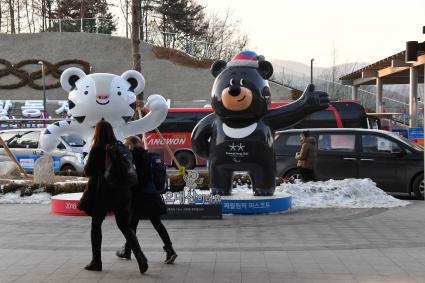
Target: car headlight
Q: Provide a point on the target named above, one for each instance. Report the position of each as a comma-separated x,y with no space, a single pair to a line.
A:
80,157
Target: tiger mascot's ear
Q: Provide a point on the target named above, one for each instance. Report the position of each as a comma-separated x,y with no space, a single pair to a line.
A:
70,76
135,79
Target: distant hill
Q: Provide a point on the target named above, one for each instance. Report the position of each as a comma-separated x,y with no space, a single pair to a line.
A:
301,68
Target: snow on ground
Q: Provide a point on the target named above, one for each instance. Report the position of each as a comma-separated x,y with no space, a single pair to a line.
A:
79,180
348,193
15,198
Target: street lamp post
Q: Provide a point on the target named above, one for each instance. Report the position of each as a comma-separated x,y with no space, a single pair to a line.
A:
412,48
44,88
311,70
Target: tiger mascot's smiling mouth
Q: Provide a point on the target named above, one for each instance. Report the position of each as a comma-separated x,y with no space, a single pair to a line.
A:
102,103
102,96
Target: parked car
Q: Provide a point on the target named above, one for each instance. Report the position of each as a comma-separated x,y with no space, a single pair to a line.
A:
394,163
24,144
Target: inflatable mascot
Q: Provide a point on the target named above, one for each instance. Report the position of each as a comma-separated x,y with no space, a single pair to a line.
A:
111,97
238,136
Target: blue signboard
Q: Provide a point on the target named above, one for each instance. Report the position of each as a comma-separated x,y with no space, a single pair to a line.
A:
415,133
27,161
258,205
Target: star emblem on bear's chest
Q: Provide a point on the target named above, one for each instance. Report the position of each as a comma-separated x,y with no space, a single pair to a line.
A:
236,147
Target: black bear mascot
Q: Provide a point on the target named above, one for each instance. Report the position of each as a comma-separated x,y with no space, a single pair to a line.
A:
238,136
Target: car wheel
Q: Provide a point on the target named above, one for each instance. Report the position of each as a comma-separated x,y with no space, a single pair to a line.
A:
68,168
186,159
293,174
419,187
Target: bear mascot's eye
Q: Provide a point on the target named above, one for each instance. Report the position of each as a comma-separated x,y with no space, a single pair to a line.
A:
232,81
242,82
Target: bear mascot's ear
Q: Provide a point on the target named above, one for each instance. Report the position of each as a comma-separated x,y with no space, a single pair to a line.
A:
70,76
217,67
265,68
135,79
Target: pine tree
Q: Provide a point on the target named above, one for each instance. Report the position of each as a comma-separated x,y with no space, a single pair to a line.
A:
72,11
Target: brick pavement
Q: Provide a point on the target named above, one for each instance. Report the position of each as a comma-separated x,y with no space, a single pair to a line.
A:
320,245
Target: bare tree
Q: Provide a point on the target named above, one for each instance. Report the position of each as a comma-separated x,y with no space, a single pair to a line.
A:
135,41
12,16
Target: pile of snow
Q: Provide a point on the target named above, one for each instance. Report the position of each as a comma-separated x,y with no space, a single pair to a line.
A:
348,193
79,180
15,198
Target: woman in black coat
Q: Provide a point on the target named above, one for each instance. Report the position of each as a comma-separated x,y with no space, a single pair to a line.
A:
146,201
105,198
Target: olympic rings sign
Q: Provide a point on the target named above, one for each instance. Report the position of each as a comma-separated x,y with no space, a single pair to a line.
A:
26,78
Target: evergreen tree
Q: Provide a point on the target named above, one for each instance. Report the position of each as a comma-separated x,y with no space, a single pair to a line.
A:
71,11
181,17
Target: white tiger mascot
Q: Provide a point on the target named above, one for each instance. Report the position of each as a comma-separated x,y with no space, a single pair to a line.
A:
103,96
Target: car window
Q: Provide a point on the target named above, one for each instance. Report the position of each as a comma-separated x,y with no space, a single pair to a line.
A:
284,142
336,142
28,139
293,140
376,144
73,140
10,138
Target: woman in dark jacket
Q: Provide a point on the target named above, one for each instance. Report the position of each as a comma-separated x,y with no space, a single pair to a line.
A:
104,199
147,202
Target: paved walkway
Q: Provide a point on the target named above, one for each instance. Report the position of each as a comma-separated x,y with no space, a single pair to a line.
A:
322,245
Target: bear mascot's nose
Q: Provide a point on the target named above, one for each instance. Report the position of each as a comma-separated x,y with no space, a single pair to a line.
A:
234,90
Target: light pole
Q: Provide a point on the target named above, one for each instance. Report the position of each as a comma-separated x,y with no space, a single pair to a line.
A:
311,70
44,87
412,48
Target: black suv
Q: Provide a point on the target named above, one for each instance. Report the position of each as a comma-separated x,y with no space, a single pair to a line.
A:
395,164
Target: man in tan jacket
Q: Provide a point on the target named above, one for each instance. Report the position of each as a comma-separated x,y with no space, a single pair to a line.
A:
306,156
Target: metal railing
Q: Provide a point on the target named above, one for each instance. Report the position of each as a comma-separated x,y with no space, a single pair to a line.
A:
90,25
339,91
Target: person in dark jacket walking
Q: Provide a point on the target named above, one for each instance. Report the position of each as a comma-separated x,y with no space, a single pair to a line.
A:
146,202
104,199
306,157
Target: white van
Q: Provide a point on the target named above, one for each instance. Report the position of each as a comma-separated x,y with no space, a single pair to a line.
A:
24,144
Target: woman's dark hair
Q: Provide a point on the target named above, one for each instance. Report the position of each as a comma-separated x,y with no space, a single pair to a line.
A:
306,134
133,141
103,134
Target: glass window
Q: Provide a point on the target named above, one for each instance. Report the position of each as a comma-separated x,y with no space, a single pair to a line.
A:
10,138
293,140
286,143
375,144
28,139
179,122
73,140
336,142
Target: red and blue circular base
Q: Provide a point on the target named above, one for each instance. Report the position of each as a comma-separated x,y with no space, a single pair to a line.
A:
66,204
237,204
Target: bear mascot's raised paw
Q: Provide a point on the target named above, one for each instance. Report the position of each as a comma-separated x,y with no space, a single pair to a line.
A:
238,135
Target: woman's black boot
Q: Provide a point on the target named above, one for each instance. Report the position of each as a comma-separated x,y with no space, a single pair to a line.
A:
142,261
94,265
125,252
171,255
137,251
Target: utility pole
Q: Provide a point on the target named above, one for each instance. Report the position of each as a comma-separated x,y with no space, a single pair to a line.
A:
311,70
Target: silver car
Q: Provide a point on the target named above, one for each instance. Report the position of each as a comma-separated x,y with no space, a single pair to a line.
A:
24,144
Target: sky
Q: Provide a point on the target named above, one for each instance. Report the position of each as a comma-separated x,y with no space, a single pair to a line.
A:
298,30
